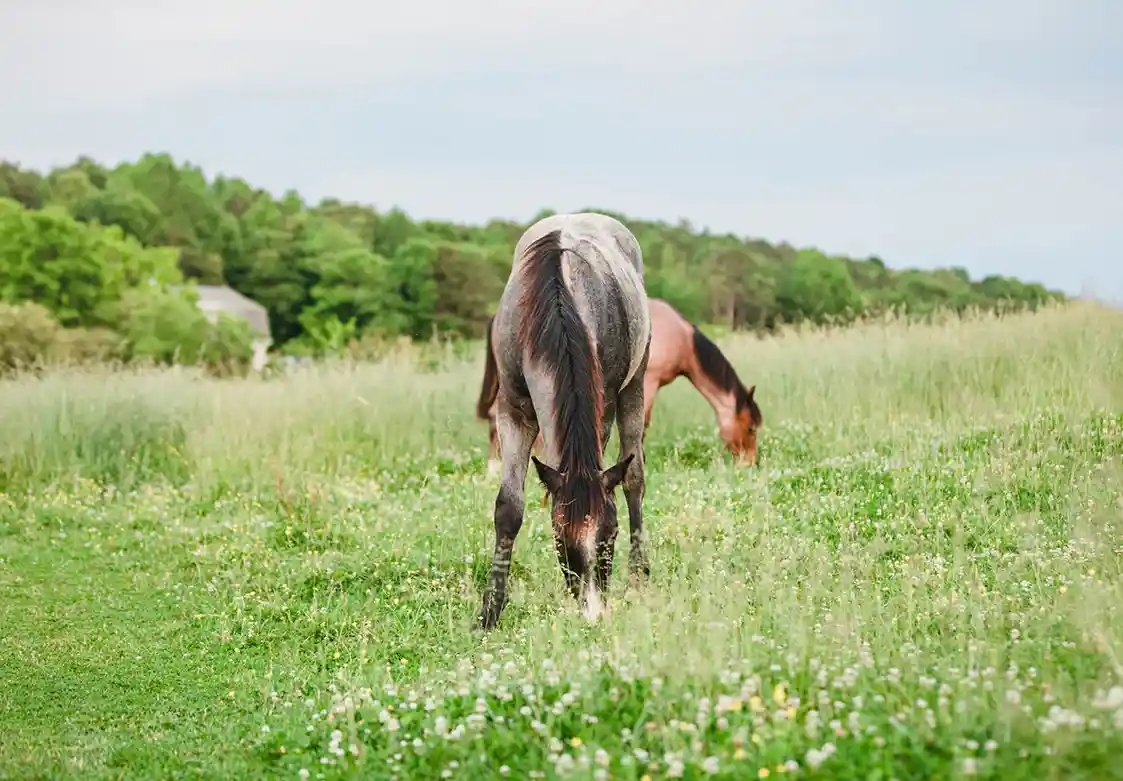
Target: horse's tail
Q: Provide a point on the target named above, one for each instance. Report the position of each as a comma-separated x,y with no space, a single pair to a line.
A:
556,338
490,388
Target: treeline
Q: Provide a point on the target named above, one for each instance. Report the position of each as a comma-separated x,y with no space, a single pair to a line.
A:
107,251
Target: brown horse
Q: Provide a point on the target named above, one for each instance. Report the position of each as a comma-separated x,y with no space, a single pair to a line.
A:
678,348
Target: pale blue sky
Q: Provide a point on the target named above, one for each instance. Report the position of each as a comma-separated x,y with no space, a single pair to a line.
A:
973,133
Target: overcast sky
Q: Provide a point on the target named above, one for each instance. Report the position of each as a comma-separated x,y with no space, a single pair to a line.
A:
981,133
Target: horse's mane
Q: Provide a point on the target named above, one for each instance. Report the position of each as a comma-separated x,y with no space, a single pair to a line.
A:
714,363
551,330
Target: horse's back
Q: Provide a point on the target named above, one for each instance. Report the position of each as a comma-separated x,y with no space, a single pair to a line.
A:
671,336
607,234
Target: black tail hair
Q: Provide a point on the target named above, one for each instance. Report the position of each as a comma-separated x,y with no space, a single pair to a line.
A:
556,338
490,388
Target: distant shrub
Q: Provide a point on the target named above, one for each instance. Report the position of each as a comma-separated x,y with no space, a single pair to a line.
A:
88,346
162,326
156,327
166,327
375,345
28,334
228,350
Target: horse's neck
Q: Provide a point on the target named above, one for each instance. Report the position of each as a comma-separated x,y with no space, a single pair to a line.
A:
723,402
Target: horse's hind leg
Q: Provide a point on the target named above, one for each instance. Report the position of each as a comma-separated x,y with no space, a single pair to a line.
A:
515,440
630,418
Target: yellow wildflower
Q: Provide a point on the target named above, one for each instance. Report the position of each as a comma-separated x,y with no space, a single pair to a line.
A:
779,694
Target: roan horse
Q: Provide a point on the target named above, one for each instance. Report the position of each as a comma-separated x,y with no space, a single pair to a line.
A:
571,338
678,348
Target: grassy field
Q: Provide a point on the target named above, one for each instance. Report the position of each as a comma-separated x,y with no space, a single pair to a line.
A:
280,578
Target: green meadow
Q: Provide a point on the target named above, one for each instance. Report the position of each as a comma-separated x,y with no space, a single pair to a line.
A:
279,577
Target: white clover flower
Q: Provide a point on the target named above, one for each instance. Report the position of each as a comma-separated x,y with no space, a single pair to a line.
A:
1110,700
814,758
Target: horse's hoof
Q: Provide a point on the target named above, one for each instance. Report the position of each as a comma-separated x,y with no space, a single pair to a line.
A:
489,614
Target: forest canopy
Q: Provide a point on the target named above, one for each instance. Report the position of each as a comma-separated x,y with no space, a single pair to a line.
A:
102,254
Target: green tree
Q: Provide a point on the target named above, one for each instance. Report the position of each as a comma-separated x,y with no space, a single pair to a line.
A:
817,287
351,288
82,237
24,187
79,272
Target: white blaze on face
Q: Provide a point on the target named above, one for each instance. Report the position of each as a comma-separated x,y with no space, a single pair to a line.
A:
593,605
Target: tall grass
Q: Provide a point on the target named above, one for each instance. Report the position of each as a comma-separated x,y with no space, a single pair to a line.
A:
923,580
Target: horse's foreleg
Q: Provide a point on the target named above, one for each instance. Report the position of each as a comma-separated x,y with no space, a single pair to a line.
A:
631,419
515,440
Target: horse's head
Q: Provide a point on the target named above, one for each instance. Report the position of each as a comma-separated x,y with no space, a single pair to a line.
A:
583,511
741,434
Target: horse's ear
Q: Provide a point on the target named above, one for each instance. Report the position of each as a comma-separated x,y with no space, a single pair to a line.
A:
614,475
751,391
550,477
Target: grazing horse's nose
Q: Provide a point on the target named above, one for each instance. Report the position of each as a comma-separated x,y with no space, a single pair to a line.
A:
748,458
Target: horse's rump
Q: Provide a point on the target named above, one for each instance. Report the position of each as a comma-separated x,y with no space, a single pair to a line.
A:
602,267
